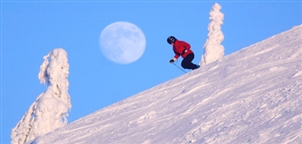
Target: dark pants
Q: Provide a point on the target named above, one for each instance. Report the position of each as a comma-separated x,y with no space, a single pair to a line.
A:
187,62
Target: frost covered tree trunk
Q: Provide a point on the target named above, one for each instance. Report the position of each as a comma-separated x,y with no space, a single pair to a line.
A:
213,50
50,110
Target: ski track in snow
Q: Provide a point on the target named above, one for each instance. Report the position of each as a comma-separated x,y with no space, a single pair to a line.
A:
251,96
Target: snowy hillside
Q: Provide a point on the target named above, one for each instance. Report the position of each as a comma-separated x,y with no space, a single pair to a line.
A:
251,96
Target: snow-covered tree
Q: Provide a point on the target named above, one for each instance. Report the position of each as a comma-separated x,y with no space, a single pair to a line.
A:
50,110
213,50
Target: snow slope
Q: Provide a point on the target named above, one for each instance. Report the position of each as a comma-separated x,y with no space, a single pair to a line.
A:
251,96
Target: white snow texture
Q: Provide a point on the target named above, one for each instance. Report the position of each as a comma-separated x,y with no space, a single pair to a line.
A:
251,96
50,110
213,50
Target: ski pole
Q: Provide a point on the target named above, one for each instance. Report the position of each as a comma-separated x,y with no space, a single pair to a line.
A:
180,68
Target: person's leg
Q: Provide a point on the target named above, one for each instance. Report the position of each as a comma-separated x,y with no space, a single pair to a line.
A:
187,62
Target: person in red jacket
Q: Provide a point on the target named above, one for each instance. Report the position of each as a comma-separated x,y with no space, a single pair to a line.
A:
183,49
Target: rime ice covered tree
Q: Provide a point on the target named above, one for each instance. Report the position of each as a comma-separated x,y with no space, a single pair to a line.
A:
213,50
50,110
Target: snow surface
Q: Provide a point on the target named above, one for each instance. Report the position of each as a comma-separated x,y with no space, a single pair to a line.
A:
50,110
251,96
213,50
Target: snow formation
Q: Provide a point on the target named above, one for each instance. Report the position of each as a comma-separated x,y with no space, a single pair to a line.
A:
251,96
50,110
213,50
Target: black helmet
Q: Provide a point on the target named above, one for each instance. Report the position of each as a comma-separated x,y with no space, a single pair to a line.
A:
171,39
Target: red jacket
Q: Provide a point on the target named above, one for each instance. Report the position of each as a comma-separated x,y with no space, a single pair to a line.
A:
181,48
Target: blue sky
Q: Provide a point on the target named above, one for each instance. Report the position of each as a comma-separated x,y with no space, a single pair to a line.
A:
31,29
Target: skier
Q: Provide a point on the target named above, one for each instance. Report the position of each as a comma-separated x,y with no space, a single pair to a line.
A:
182,48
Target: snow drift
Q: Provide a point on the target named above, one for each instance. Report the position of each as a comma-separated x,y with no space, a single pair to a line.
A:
251,96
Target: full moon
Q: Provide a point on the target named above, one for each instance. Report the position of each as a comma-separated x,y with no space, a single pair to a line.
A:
122,42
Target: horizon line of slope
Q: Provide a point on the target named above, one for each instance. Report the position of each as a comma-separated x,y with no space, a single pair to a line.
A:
245,97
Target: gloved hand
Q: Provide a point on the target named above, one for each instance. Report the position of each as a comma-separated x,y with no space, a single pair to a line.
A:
173,60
